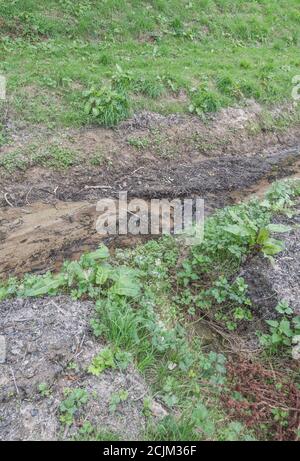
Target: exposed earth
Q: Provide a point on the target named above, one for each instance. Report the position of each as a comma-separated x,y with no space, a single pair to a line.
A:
50,214
44,339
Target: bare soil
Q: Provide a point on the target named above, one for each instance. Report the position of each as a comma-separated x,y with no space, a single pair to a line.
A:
43,337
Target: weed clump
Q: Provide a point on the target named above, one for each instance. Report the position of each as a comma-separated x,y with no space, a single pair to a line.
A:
107,106
204,100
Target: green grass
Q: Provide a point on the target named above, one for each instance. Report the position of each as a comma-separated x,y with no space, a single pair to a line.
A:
51,156
230,49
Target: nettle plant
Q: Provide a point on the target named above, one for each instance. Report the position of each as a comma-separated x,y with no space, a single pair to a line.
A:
232,300
226,302
122,81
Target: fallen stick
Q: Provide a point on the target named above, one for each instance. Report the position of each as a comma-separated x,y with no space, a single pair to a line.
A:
7,201
97,187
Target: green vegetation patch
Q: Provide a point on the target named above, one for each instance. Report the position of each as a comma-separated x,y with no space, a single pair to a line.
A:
145,305
218,51
53,156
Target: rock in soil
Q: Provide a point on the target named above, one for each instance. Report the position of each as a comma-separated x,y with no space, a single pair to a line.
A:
43,337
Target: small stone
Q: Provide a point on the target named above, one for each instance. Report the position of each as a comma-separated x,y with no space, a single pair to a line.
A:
296,349
2,349
157,410
172,366
296,352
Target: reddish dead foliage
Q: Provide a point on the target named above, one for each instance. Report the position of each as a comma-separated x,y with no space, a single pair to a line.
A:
264,391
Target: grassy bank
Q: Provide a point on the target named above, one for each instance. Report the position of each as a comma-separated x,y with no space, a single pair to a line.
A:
174,55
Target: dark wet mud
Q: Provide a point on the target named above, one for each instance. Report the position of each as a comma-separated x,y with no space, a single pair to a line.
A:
36,236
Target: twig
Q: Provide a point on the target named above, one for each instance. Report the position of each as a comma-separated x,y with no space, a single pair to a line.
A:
14,378
79,347
28,193
7,201
140,397
136,170
97,187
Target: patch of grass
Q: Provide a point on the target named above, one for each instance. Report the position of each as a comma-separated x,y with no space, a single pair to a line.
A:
235,49
97,159
13,161
60,157
3,134
152,88
162,144
139,143
89,433
269,121
186,427
52,156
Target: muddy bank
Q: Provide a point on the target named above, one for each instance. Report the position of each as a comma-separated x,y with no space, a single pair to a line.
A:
31,238
217,176
148,153
48,215
39,236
